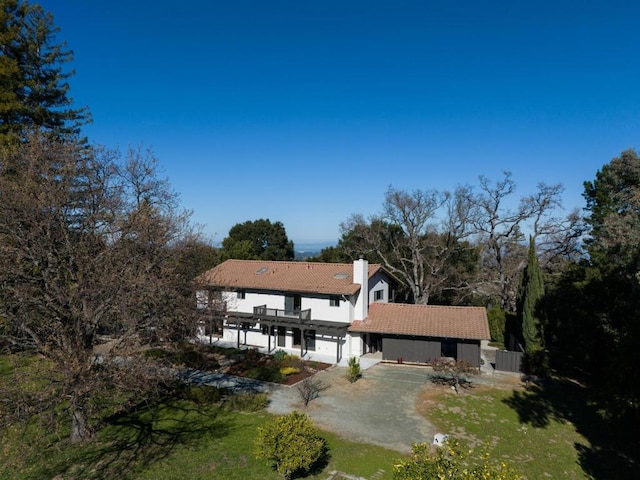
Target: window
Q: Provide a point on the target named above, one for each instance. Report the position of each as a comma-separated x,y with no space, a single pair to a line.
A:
378,295
241,294
268,330
334,301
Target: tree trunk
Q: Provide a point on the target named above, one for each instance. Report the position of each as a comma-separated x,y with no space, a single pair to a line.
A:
79,430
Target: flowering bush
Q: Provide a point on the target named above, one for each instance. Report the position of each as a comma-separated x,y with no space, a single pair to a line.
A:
451,462
286,371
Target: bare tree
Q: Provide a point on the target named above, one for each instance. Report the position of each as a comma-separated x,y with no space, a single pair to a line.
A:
309,389
499,232
416,237
452,372
88,275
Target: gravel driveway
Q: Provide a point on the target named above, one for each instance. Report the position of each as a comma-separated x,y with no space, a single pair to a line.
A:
379,408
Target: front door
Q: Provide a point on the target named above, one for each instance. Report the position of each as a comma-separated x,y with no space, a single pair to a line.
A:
374,343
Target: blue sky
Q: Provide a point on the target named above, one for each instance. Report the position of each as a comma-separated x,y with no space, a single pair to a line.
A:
307,111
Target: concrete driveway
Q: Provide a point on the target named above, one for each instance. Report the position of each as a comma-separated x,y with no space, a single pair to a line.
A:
379,408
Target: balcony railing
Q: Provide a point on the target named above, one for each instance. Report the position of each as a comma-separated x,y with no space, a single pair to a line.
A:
275,313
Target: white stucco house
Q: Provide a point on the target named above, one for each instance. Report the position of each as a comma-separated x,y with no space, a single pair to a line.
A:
332,309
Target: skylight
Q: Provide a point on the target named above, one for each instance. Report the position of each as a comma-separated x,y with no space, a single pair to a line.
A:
262,270
341,275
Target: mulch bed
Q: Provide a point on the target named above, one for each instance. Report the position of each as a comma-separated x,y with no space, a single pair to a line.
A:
242,364
305,373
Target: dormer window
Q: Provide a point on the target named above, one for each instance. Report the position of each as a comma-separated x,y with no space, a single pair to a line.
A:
378,295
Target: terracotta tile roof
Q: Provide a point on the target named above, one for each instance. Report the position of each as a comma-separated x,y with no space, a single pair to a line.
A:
303,277
425,320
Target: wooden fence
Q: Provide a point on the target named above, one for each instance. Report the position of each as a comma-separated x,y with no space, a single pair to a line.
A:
507,361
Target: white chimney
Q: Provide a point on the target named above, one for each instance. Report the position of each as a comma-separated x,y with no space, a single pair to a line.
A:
361,277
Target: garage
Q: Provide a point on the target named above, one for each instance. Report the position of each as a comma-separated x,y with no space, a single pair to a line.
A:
423,333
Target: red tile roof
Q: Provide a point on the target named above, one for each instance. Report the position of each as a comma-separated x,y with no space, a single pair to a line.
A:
425,321
303,277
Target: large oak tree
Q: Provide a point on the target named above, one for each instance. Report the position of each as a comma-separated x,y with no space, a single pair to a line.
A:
88,276
258,240
499,224
420,238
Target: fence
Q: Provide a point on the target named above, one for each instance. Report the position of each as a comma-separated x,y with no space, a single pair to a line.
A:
509,361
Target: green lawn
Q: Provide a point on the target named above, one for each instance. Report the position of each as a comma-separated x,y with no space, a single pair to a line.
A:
220,447
180,439
552,431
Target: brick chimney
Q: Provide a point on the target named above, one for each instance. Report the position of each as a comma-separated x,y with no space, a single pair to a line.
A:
361,277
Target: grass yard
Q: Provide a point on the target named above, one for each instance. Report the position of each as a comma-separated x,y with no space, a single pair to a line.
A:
230,457
178,439
545,432
553,431
181,444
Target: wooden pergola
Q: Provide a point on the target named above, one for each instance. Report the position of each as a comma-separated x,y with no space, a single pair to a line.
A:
274,318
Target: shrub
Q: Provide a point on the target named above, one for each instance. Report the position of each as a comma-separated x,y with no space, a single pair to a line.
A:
452,463
279,355
247,402
291,444
286,371
497,323
265,373
309,389
452,372
353,369
293,361
203,394
189,356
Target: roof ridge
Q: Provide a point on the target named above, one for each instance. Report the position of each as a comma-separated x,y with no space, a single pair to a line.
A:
296,262
428,305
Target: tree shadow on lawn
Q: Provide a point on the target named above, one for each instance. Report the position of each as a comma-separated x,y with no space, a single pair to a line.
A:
614,447
132,441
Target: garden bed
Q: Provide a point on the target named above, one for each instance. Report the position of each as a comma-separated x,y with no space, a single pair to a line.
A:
280,367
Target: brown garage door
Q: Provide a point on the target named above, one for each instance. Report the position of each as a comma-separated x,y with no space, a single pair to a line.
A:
410,349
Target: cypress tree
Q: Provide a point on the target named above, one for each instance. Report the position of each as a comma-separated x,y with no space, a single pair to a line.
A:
530,294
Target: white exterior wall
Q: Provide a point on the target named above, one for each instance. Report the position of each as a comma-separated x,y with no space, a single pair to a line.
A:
321,308
350,308
378,282
252,299
354,345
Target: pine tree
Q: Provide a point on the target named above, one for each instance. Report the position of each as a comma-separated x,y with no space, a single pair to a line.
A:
33,84
530,295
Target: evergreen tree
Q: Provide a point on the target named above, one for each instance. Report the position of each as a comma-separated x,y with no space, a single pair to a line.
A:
530,295
33,84
613,281
258,240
